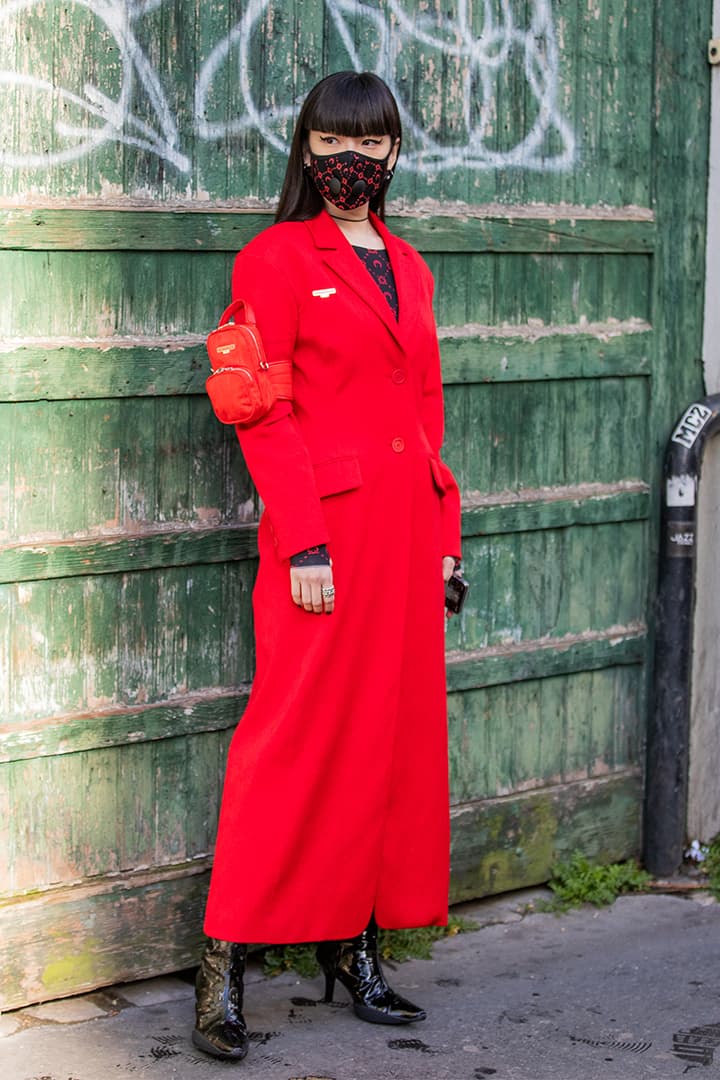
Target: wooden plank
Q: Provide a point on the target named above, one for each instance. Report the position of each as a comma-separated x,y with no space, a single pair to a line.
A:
537,584
575,355
154,294
546,434
154,918
146,551
550,583
82,644
129,230
187,714
115,368
533,733
109,810
543,658
562,289
228,230
112,368
218,710
512,842
516,512
680,116
551,235
111,464
213,710
96,295
550,509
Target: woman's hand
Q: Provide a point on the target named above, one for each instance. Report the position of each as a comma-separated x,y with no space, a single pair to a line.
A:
306,585
448,567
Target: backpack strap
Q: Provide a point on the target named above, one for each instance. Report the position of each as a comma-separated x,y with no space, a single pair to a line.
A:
281,378
239,312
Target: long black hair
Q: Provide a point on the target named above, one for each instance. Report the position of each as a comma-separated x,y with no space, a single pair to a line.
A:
346,103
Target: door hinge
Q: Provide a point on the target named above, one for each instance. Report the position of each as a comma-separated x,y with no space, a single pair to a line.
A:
714,50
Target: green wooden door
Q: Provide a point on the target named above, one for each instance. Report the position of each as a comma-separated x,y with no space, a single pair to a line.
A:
554,169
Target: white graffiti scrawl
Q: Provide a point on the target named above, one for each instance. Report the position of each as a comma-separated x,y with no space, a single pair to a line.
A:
396,32
126,102
107,118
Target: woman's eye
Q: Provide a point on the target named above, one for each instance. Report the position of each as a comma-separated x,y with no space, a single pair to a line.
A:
329,139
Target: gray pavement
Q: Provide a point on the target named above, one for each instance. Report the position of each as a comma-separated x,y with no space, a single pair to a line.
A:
631,991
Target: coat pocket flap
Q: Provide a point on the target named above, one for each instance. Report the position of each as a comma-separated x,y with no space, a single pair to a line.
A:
337,475
437,470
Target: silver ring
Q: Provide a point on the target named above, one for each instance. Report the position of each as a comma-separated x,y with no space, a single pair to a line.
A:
328,591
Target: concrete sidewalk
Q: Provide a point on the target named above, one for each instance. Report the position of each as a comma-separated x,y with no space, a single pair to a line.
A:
631,991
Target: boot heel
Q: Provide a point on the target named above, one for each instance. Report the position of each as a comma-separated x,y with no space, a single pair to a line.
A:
329,986
327,954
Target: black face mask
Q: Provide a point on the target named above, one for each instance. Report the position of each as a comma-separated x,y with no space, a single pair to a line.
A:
349,180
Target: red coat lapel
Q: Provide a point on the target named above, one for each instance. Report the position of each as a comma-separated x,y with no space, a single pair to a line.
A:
338,255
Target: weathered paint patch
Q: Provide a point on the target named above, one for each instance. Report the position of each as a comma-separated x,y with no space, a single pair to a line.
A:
76,969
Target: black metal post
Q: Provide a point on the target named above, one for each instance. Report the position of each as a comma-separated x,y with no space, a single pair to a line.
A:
669,725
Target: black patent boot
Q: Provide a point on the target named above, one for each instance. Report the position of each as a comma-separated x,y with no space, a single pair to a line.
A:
357,965
220,1028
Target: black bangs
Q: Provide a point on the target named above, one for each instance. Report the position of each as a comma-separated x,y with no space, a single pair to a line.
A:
352,103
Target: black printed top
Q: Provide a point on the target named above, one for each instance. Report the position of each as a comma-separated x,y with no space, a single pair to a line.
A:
379,268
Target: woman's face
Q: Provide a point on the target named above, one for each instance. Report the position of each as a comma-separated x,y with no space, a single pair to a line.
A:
374,146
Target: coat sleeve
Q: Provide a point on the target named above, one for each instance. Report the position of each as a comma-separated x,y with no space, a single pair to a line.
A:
274,449
434,424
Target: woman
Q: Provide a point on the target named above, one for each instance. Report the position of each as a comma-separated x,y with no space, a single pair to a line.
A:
335,807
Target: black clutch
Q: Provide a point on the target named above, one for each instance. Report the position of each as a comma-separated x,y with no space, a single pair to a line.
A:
456,590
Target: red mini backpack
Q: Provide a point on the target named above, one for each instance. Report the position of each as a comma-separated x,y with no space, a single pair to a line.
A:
243,385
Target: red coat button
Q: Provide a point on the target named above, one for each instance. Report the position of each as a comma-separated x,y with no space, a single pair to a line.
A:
398,376
398,445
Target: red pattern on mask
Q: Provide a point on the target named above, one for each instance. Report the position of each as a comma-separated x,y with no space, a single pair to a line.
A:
348,180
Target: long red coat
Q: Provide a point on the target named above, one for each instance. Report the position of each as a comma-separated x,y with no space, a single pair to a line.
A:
336,794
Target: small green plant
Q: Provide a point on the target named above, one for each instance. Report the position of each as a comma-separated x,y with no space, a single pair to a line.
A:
711,866
299,958
401,945
577,881
393,945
